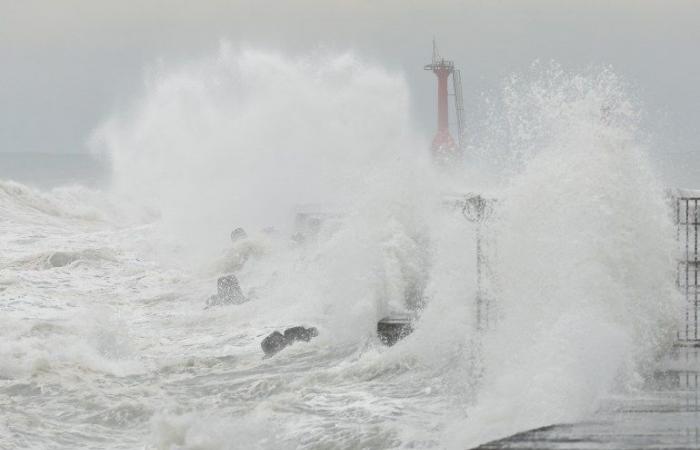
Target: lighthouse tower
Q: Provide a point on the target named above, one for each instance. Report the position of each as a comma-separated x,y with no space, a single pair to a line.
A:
444,149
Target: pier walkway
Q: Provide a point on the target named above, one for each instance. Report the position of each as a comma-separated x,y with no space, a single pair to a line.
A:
666,416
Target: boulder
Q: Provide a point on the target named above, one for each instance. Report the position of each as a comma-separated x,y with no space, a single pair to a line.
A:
277,341
228,292
273,343
227,287
300,334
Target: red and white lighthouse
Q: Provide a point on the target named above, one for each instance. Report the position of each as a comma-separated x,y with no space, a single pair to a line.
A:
444,148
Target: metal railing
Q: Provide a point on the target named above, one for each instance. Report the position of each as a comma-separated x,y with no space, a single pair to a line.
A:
687,224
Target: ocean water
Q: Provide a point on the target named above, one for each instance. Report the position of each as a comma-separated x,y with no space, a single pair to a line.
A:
105,341
49,170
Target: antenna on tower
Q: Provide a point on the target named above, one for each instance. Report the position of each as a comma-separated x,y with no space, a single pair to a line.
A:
436,54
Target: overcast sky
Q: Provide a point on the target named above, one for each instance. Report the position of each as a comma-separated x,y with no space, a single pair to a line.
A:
66,65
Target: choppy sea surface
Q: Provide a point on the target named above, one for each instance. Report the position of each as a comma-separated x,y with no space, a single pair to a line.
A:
106,344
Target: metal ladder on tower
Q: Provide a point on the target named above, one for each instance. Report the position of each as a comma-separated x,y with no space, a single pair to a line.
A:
459,106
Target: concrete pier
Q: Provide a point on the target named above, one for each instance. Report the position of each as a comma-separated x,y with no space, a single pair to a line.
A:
665,416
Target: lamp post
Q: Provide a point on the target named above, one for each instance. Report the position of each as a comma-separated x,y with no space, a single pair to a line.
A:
477,209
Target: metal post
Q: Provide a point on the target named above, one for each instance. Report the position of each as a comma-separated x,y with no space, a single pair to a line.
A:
476,209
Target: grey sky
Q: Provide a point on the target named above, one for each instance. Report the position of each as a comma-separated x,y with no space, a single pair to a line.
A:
67,64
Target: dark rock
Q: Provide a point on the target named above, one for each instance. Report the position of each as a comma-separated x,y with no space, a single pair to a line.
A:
393,328
300,334
228,287
273,343
228,292
277,341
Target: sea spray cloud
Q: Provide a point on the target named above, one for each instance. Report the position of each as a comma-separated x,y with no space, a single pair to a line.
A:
585,267
244,136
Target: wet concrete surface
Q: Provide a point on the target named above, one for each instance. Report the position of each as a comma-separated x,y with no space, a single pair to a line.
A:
666,415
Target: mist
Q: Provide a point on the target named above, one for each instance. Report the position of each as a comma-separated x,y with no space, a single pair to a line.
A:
99,55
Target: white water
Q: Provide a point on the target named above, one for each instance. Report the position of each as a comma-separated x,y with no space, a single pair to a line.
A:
107,344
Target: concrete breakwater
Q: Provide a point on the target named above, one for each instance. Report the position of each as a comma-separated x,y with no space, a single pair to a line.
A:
665,415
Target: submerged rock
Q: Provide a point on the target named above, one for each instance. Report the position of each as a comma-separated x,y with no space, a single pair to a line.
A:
62,259
228,292
243,249
277,341
238,234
